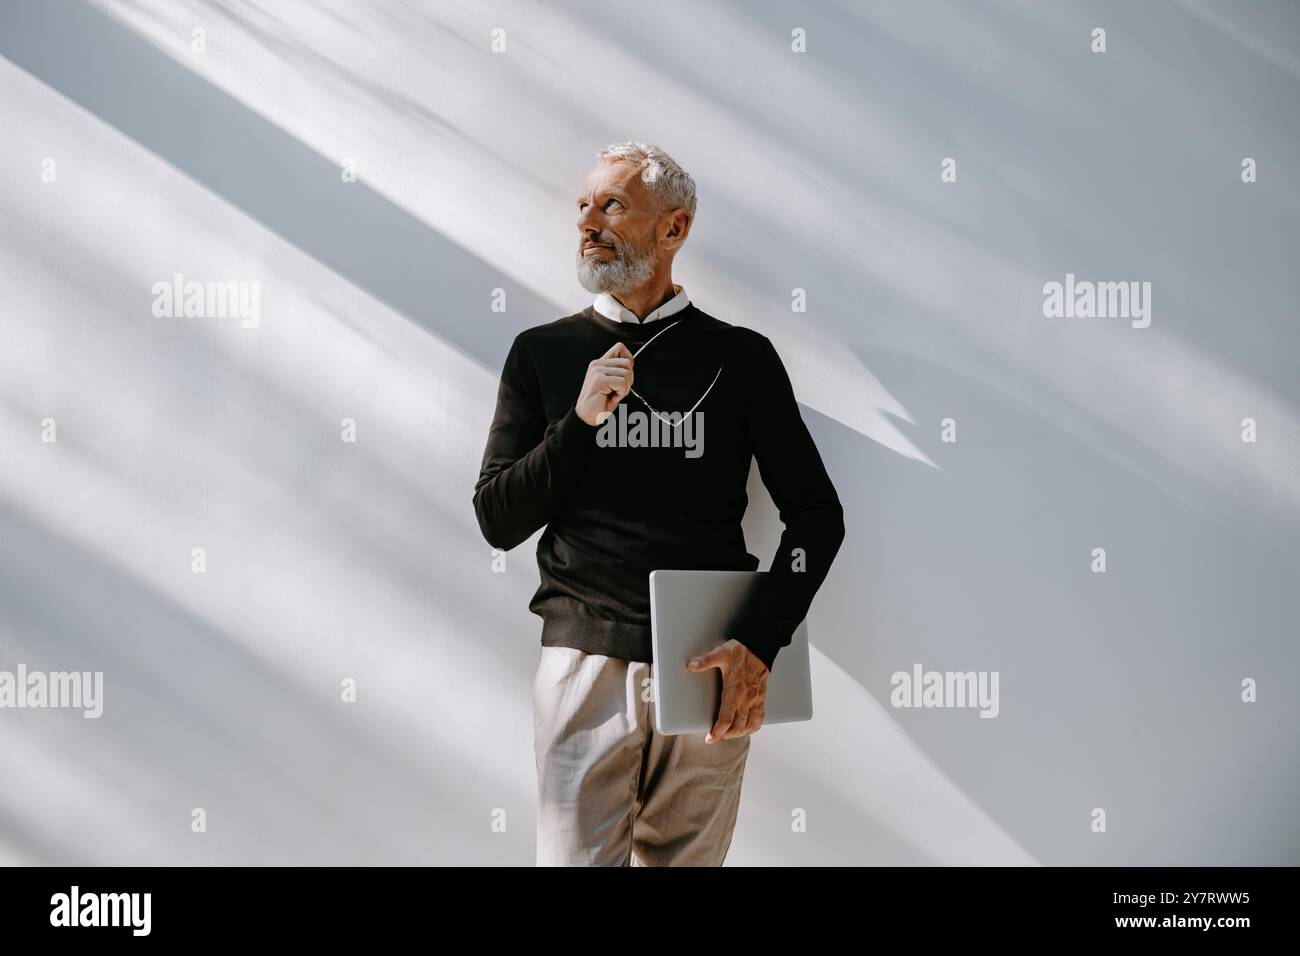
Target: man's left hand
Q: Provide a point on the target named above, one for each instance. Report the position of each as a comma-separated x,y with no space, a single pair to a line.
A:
744,689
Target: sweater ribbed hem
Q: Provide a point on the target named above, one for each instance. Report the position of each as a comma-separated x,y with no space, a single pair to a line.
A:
595,635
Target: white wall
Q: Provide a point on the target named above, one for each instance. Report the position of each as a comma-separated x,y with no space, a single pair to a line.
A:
817,171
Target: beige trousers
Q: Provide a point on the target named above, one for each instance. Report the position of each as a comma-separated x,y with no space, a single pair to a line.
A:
611,791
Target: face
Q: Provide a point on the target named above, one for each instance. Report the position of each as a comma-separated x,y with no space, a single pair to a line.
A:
624,236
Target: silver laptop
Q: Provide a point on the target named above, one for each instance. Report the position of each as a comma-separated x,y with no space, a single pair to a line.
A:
690,613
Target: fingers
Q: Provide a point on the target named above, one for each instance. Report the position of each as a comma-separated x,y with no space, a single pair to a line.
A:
616,373
752,725
619,384
728,711
739,726
608,381
721,727
716,657
614,366
612,372
743,698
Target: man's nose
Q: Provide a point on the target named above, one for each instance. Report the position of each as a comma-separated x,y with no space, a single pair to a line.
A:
589,223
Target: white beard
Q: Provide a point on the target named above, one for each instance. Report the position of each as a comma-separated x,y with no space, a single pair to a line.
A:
630,269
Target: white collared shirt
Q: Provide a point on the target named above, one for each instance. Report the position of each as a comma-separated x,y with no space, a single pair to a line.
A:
612,309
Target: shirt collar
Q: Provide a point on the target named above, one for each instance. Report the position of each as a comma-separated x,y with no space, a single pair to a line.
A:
612,309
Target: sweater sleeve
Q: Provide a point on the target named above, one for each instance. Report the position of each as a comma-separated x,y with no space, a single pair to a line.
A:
793,472
529,464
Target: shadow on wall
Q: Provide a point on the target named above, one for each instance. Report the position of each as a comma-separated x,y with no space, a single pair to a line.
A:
190,711
1112,683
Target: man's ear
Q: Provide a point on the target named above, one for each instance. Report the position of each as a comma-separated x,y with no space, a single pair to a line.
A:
679,227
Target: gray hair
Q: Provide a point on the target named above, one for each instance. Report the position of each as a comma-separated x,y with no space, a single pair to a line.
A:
671,184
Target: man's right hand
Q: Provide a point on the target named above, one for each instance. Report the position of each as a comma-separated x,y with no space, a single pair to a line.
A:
608,382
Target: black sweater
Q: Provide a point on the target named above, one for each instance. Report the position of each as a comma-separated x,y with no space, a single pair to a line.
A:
615,513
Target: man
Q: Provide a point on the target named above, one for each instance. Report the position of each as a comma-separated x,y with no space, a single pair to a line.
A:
619,502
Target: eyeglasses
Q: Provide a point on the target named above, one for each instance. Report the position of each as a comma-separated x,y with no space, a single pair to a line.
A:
658,414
